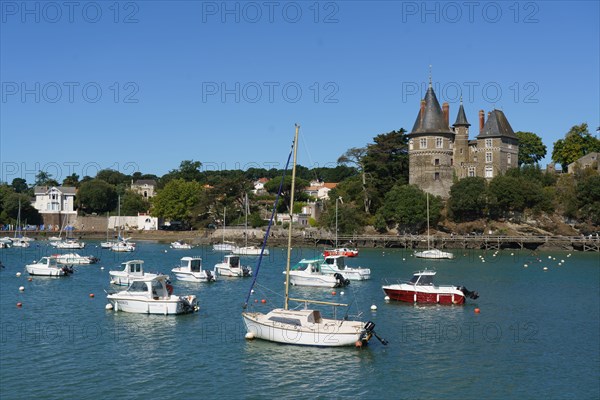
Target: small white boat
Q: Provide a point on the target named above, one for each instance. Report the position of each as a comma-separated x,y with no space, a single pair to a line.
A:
5,245
133,269
231,266
48,266
152,295
108,244
123,246
308,273
190,270
75,259
337,264
20,242
181,245
69,244
249,251
225,246
434,254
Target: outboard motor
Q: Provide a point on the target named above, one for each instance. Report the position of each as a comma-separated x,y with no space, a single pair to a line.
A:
369,331
209,276
245,271
67,269
473,295
341,281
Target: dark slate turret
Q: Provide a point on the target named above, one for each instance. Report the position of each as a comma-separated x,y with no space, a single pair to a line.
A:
496,126
461,118
430,118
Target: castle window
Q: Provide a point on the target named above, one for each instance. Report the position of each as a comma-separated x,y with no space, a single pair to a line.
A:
488,142
436,161
471,171
461,151
489,172
410,144
436,176
451,161
423,143
439,143
509,159
488,157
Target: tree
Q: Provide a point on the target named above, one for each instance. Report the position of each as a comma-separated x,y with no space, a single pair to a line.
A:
588,199
405,207
19,185
97,196
355,156
133,203
71,180
531,148
351,219
113,177
468,199
284,203
44,179
577,143
10,209
506,193
177,200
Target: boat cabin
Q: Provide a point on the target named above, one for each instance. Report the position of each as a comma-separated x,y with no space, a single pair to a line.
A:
155,288
423,278
133,267
192,264
312,266
233,261
49,262
336,261
296,317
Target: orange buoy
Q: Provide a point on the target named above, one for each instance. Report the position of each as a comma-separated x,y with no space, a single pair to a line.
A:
92,295
333,293
263,301
19,304
29,279
256,300
358,343
477,311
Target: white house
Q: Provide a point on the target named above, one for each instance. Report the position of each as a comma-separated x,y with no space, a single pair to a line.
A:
145,187
320,190
55,200
259,186
140,222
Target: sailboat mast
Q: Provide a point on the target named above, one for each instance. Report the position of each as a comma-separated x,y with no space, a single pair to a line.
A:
289,247
246,226
224,216
428,246
336,223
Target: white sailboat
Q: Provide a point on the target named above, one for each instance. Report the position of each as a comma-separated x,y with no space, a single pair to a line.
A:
19,240
435,254
123,245
108,243
307,326
224,246
248,250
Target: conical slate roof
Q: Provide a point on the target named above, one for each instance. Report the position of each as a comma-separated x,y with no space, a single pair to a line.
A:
432,120
461,118
496,125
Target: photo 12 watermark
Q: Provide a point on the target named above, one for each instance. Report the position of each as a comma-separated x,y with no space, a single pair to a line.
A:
474,92
69,92
58,170
254,12
270,92
70,12
453,12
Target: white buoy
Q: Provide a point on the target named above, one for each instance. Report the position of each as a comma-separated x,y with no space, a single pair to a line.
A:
549,257
562,261
512,254
18,274
252,291
109,306
101,268
249,335
403,259
545,268
21,288
387,298
165,251
373,307
341,293
525,265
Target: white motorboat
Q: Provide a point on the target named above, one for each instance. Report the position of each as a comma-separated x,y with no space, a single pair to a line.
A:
68,244
434,254
224,246
133,269
337,264
231,266
75,259
108,244
48,266
19,242
152,295
123,246
181,245
249,251
190,270
308,273
303,327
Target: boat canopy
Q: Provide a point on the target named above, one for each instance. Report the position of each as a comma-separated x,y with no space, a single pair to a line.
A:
194,263
303,264
423,278
338,261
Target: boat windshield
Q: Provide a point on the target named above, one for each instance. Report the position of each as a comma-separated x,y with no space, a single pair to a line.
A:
234,262
425,280
138,286
135,267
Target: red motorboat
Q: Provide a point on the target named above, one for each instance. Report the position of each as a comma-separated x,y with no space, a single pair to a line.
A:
421,289
341,251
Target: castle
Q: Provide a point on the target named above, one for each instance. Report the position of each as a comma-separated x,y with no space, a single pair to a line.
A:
439,154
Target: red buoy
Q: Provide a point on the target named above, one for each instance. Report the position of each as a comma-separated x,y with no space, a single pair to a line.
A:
477,311
358,343
263,301
19,304
92,295
333,293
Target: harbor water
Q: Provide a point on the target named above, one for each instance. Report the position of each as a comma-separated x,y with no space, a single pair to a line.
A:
537,335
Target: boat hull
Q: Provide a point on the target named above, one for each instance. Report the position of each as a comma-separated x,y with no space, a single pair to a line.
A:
172,306
249,251
425,295
354,274
328,333
193,276
44,271
434,254
231,272
314,281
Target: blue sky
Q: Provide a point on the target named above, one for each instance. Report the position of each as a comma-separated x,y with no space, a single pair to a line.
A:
143,85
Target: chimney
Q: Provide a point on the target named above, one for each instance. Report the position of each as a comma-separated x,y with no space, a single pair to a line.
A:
446,110
422,110
481,120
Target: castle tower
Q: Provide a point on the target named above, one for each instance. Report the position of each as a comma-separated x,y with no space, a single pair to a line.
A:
461,143
430,147
497,146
